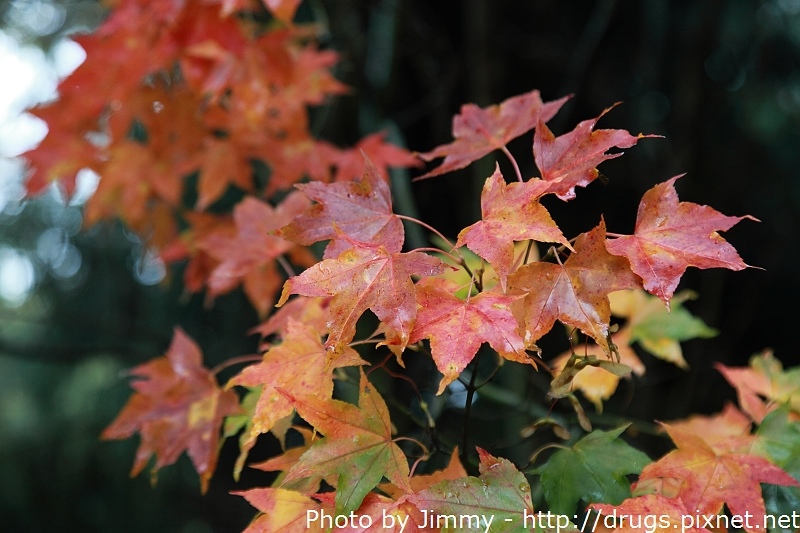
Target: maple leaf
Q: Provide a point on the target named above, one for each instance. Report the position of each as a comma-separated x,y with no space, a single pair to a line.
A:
671,236
570,160
510,213
289,458
291,160
312,312
766,378
350,163
361,209
300,365
709,479
177,406
656,328
574,292
725,431
778,440
187,245
221,165
479,131
501,494
281,510
457,328
358,445
651,513
593,470
364,278
249,255
58,158
597,383
453,470
384,514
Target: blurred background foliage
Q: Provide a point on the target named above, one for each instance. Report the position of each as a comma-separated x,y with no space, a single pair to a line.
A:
719,79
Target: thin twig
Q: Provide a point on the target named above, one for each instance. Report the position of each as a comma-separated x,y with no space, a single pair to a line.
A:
242,359
513,162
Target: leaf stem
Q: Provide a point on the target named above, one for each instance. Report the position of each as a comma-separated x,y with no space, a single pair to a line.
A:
415,441
241,359
612,234
543,448
365,341
426,226
455,259
513,162
286,266
458,258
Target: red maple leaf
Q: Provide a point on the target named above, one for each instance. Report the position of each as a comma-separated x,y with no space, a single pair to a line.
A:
457,328
177,406
710,478
510,213
653,513
570,160
671,236
365,277
480,131
351,163
361,209
249,256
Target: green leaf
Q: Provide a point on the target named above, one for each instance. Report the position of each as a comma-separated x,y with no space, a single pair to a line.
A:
593,470
498,501
659,330
778,439
678,324
358,445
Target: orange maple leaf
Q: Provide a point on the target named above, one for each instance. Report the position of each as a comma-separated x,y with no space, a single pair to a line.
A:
299,365
576,292
177,406
764,378
725,431
281,510
249,255
358,445
650,513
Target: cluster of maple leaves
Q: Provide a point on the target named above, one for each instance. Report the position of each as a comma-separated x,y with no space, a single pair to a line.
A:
186,94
